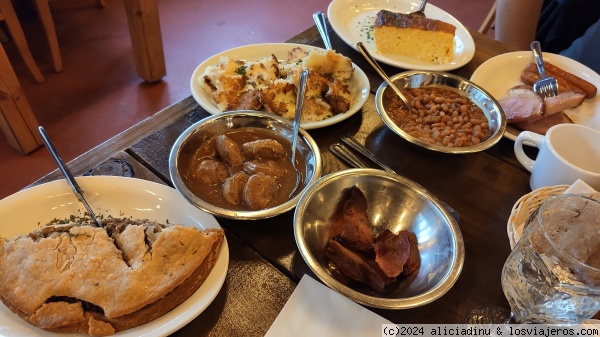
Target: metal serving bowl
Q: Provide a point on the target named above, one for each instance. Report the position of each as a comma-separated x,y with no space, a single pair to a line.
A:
213,126
415,79
395,203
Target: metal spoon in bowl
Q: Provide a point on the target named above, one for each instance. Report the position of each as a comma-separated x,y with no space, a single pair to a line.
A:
70,179
421,10
363,50
299,104
319,18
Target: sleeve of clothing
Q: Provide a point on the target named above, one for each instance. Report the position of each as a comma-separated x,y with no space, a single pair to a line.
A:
563,21
586,48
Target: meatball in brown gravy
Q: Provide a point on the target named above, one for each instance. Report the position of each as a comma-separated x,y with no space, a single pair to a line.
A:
264,149
244,169
229,151
210,172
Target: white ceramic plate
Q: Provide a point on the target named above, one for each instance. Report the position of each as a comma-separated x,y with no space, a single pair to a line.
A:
503,72
353,21
26,210
359,83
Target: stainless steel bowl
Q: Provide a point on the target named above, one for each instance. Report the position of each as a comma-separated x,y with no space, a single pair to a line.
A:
395,203
415,79
212,126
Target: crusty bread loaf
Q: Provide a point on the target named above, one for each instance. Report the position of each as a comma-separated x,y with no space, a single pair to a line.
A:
414,36
100,280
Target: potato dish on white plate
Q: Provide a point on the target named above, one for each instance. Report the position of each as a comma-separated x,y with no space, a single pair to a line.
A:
264,78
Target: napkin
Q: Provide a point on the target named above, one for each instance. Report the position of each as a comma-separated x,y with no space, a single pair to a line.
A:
316,310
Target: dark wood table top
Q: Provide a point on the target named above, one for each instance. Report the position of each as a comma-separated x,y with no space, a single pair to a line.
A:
265,264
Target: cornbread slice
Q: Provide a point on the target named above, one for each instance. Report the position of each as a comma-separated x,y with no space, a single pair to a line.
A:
414,36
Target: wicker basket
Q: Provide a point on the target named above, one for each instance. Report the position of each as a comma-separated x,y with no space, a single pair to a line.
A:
530,202
526,205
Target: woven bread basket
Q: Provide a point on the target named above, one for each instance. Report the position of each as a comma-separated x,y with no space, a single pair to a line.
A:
526,205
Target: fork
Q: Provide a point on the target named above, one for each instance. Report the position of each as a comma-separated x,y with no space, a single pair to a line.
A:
546,86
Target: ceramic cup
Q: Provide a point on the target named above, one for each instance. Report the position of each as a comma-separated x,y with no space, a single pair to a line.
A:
566,153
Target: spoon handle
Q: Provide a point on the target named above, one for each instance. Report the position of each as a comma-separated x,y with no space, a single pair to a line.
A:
319,18
298,113
363,50
65,171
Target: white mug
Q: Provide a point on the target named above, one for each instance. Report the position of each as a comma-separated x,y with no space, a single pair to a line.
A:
566,153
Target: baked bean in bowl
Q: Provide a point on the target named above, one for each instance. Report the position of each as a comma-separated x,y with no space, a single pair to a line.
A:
448,113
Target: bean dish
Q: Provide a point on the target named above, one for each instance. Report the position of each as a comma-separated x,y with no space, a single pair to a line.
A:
439,116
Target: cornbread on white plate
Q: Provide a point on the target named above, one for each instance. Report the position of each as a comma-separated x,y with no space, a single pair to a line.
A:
414,36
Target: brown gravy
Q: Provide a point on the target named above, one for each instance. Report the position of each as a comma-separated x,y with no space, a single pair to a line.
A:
213,194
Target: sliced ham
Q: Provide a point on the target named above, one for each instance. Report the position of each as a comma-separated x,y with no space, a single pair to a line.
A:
564,100
542,125
521,104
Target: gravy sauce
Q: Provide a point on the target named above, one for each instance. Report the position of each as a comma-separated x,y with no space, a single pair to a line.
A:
213,194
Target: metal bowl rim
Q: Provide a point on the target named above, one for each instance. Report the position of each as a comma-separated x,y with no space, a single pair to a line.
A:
495,138
379,302
224,212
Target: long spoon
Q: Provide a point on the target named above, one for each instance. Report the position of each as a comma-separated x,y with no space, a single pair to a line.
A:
363,50
421,10
319,18
70,179
297,114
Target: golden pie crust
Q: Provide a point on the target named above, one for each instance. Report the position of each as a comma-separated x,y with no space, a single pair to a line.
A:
101,280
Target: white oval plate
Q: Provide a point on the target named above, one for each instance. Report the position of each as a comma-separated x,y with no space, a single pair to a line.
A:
359,83
26,210
353,21
503,72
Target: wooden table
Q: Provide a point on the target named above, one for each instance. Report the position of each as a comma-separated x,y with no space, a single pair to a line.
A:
265,264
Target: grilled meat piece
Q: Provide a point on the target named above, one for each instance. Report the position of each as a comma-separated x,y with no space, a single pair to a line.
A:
391,252
350,223
414,258
356,266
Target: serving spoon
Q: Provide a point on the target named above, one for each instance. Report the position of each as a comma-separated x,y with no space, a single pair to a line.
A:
319,18
296,126
421,10
68,175
363,50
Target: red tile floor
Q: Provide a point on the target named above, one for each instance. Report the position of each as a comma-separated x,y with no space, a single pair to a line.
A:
98,94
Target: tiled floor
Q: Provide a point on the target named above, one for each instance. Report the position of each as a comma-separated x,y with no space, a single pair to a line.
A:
98,94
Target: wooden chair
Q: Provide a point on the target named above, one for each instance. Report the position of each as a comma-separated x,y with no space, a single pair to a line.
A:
488,22
43,10
17,121
7,13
